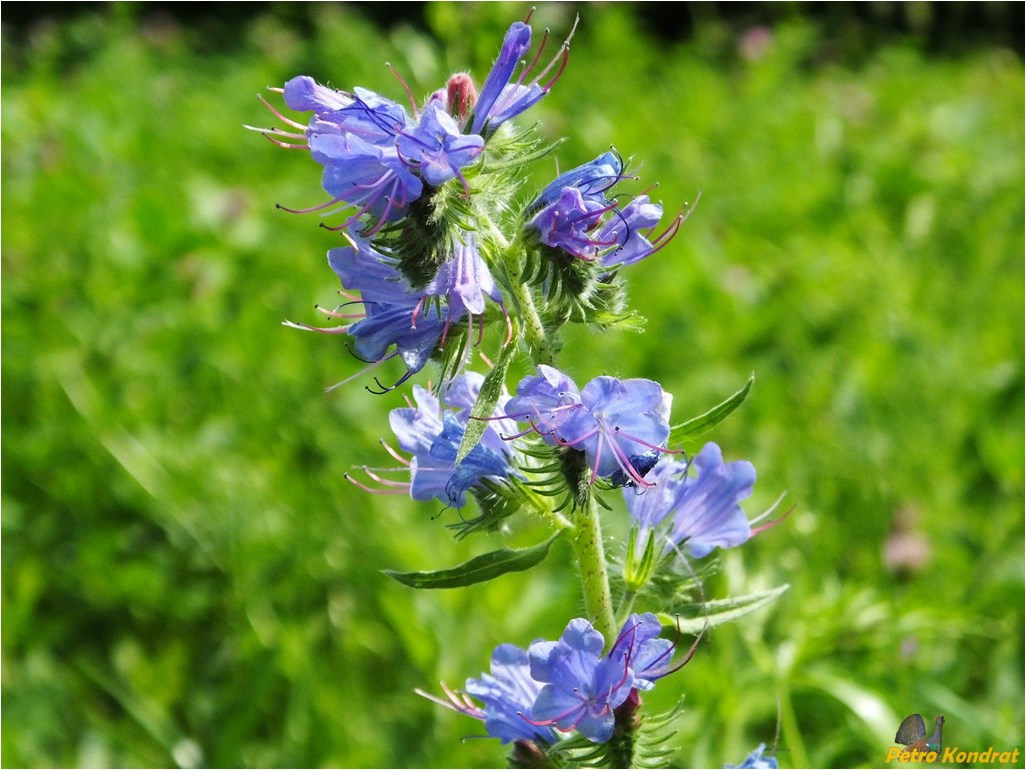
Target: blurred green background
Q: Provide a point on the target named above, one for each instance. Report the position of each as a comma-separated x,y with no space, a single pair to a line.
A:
188,580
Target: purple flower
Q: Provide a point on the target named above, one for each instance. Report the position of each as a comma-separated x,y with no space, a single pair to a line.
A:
355,137
568,684
545,400
592,180
436,148
582,686
501,97
508,693
465,280
393,313
575,214
640,647
432,435
621,425
376,158
701,511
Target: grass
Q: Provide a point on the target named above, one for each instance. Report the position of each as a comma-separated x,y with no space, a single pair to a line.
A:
187,578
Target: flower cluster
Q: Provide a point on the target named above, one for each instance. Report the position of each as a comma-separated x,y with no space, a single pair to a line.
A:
415,264
568,684
621,426
575,214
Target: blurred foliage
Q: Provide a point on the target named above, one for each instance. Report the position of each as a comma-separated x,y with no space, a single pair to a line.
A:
187,578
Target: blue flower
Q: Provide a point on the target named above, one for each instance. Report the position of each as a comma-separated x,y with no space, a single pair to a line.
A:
622,429
582,686
640,647
355,137
545,400
465,280
508,693
701,511
502,98
436,148
395,314
757,761
621,426
433,435
568,684
575,214
376,158
592,180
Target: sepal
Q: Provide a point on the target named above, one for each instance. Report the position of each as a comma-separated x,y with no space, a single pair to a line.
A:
637,571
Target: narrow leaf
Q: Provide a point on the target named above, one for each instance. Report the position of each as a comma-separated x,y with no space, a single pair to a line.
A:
692,618
696,426
477,570
484,407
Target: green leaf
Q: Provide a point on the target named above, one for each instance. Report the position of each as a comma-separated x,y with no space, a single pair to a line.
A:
696,426
477,570
484,407
693,618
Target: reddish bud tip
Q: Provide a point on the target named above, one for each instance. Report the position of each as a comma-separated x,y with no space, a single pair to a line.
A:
461,94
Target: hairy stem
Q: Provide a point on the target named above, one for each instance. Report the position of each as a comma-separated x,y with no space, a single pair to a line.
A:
534,331
591,561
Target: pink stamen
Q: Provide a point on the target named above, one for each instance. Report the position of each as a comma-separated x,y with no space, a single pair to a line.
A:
312,209
515,435
480,328
321,329
395,455
406,88
774,522
371,490
277,114
286,145
688,656
534,61
386,482
335,314
644,443
416,312
509,328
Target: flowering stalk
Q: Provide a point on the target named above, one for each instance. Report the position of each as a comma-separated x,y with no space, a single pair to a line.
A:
439,245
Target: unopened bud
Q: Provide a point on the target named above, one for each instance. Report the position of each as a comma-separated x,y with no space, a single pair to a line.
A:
462,95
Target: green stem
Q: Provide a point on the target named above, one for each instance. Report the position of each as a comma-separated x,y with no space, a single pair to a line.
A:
790,729
534,331
591,561
626,605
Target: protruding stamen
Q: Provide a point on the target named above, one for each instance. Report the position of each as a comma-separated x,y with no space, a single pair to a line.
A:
406,88
277,114
360,485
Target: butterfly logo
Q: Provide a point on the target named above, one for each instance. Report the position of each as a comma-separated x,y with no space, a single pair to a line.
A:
912,734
